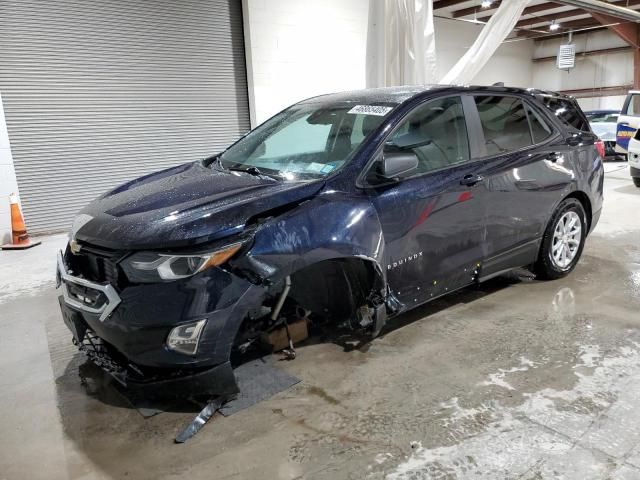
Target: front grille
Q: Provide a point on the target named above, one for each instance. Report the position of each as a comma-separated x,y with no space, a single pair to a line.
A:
86,295
97,265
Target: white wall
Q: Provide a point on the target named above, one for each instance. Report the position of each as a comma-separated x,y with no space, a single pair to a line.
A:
8,183
594,71
612,102
299,48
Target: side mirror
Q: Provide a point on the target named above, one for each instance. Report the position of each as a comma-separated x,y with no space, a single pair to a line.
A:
395,164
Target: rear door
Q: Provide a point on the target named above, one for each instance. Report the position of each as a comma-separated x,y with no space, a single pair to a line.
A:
524,173
628,122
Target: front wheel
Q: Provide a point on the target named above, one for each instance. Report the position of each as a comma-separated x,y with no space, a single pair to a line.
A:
563,241
636,181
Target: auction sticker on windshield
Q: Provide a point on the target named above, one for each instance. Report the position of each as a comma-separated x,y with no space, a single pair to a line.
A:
379,110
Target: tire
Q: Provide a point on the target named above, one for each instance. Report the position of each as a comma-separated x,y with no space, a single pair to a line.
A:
548,267
636,181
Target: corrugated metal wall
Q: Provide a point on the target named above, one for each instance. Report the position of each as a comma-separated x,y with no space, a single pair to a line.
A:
97,92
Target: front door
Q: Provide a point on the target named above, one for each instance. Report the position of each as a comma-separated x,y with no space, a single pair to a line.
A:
432,217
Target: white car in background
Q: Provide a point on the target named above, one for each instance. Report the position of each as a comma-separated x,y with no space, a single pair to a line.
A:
634,160
627,136
604,124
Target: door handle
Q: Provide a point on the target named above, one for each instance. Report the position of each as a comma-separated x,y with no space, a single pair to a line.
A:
470,180
553,156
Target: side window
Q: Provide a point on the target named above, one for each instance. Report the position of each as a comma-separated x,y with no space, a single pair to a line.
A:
539,128
568,112
504,123
633,108
436,132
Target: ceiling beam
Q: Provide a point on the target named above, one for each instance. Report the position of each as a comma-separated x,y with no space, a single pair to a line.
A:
536,9
564,27
549,36
463,12
447,3
568,14
530,10
607,8
590,53
549,18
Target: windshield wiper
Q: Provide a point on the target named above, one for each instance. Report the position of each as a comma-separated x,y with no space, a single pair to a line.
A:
256,172
250,170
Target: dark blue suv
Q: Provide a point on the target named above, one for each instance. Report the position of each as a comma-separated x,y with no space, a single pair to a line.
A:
347,209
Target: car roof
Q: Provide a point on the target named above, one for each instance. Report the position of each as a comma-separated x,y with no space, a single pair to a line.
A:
400,94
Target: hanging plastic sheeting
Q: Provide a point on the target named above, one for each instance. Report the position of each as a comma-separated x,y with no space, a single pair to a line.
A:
490,38
401,46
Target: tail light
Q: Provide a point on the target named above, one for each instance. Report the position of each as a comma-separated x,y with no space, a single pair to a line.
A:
600,147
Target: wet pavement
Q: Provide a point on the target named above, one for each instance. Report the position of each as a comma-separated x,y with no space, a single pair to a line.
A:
515,379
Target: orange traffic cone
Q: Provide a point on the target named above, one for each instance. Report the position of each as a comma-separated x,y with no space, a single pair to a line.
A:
20,238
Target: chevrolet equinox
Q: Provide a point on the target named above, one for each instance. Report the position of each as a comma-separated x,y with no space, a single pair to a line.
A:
348,208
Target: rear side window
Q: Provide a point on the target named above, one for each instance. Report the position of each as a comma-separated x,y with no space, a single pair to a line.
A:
504,123
568,112
540,130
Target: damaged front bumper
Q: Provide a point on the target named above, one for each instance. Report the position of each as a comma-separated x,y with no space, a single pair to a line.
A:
124,331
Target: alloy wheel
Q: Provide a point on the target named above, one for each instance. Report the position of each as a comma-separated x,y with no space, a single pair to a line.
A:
567,236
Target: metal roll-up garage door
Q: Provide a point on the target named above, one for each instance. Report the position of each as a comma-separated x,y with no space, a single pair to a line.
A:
97,92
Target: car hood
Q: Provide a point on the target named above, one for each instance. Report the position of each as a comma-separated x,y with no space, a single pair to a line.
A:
186,205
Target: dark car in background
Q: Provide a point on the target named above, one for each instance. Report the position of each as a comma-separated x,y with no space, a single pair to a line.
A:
604,124
348,209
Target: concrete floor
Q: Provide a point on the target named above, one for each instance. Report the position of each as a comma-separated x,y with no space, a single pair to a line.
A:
515,379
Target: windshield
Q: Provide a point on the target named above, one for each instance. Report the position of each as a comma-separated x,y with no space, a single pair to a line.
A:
305,141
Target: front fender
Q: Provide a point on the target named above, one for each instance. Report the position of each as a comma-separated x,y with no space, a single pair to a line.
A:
330,226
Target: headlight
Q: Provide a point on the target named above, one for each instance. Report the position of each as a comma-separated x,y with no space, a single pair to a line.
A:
185,338
148,266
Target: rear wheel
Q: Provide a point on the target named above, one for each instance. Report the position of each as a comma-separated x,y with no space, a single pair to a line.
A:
636,181
563,241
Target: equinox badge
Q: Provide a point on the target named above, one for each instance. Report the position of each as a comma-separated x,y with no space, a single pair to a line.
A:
401,262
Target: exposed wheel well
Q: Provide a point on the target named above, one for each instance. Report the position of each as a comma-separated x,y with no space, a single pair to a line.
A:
335,289
586,204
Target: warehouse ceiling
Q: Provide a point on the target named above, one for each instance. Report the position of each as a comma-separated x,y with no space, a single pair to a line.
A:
537,19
